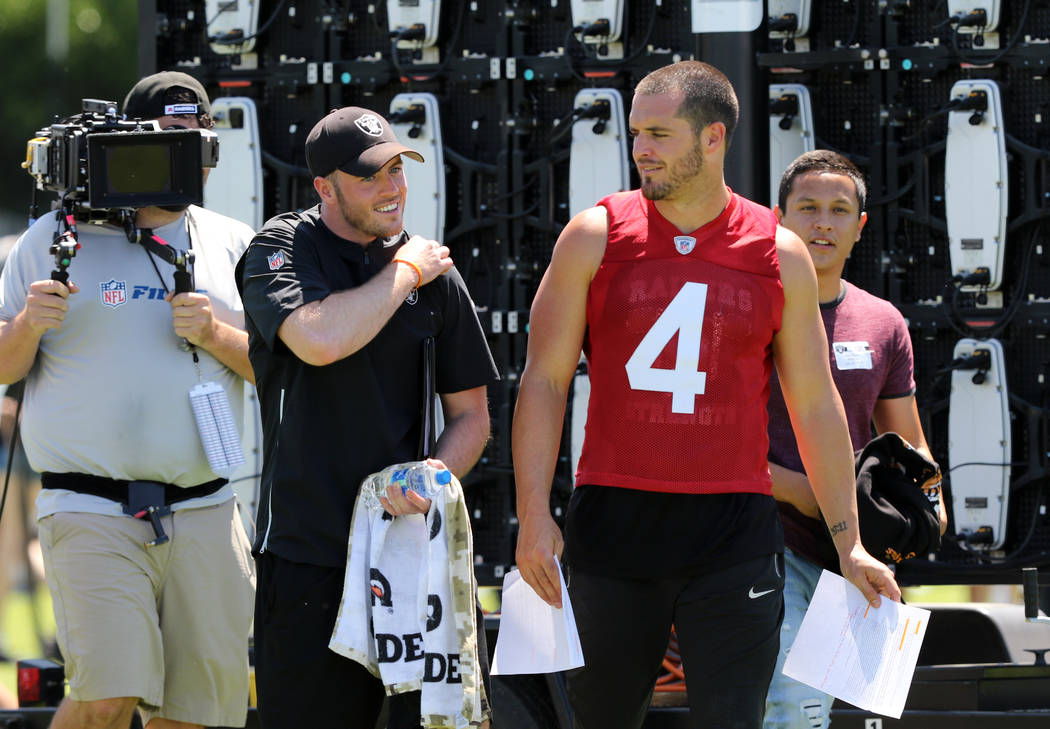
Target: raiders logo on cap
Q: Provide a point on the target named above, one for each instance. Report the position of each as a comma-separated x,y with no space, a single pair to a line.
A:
369,124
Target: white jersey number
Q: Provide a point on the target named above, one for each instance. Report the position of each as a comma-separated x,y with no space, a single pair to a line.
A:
684,315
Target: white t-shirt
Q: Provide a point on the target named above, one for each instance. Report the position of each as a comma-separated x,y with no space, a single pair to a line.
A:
108,393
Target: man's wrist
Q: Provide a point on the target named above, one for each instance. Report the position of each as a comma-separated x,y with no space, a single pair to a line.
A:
527,509
23,328
845,539
419,273
209,335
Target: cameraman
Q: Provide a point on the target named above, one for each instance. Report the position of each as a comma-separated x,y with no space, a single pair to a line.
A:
109,361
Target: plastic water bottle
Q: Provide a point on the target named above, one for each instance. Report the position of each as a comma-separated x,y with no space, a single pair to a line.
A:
406,476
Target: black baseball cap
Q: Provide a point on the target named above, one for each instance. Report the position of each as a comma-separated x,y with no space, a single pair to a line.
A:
897,496
164,94
355,140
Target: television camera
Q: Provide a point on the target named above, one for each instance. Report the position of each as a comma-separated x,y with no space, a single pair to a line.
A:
104,167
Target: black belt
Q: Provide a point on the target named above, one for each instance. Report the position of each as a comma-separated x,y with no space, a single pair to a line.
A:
117,490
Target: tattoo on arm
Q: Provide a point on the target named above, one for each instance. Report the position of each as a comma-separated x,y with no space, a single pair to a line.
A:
837,528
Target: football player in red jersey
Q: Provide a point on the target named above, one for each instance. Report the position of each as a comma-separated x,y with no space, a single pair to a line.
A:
683,296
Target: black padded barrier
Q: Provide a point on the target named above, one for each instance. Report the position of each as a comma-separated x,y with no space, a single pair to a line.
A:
507,71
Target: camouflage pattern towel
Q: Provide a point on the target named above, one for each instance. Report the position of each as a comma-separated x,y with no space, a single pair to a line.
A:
407,613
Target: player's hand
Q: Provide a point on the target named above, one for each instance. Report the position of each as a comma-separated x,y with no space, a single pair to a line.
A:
539,541
429,256
398,502
46,304
192,317
870,576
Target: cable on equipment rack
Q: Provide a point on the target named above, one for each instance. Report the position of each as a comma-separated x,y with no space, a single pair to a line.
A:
955,284
570,35
978,60
233,39
395,36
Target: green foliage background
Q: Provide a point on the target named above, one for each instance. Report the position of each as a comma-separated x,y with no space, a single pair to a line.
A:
34,90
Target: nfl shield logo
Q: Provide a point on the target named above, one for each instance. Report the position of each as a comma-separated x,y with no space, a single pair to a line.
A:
276,260
684,244
113,293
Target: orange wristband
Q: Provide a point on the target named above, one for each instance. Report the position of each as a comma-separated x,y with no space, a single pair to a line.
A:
419,274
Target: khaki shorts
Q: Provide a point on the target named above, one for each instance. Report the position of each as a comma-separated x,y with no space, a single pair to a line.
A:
168,624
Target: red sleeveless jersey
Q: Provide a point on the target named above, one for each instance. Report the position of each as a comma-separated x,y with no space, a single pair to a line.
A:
679,350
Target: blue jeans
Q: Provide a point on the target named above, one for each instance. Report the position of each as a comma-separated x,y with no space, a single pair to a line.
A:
790,704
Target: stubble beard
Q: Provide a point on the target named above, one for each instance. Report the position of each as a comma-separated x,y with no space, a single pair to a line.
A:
678,173
362,220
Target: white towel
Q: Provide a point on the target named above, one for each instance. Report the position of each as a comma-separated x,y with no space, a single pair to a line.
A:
407,613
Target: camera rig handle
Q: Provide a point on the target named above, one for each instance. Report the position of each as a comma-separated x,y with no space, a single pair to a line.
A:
64,246
183,281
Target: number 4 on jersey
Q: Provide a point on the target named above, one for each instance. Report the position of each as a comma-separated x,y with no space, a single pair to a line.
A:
684,316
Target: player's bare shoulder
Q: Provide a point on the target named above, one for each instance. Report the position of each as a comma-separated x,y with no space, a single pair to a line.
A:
795,263
581,244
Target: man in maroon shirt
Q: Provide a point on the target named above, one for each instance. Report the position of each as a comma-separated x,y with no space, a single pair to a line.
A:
822,197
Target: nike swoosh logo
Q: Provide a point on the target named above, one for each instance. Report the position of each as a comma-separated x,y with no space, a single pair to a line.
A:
752,594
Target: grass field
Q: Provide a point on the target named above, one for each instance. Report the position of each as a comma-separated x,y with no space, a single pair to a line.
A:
19,633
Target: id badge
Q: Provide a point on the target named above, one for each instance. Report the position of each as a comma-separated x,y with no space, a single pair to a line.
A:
219,436
852,355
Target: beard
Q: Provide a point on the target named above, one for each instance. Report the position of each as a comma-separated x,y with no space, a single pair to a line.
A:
361,219
677,173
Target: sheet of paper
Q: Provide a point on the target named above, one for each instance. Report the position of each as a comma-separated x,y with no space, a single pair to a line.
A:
857,653
533,636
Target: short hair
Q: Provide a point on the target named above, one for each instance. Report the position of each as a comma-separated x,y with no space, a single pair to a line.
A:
822,160
709,97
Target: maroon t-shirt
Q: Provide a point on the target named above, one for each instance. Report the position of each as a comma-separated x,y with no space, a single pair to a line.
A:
871,358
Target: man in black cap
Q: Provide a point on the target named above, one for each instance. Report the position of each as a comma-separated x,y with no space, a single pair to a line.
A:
108,419
339,300
169,96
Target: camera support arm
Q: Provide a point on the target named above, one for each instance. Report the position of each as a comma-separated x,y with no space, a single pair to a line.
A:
64,246
180,259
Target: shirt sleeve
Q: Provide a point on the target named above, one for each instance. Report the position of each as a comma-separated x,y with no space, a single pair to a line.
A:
900,381
27,262
463,357
279,272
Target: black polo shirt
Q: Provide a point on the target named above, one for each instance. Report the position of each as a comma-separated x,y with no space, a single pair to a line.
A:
326,428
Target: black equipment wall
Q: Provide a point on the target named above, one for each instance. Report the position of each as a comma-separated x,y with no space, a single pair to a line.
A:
506,73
